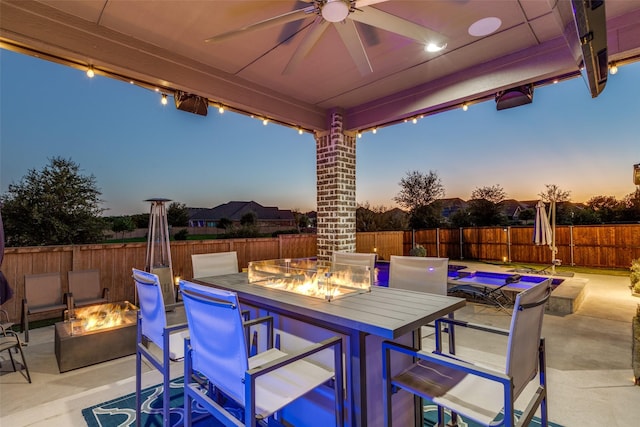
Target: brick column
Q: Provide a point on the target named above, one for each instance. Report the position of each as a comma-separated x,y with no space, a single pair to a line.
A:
336,190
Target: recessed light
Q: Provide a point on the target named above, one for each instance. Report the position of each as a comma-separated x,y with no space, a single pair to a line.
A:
433,47
484,26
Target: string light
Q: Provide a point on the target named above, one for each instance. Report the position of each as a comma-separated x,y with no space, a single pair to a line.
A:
221,109
299,131
375,130
265,121
90,72
415,120
613,69
359,134
164,101
465,107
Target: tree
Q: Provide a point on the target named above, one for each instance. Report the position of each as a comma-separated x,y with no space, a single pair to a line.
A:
631,206
178,215
122,224
55,206
141,220
419,189
553,193
607,208
417,194
428,216
224,223
527,215
250,218
461,218
484,206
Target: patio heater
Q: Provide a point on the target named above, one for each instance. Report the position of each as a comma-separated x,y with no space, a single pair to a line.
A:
158,258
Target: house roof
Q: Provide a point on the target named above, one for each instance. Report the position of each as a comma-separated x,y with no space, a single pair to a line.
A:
235,210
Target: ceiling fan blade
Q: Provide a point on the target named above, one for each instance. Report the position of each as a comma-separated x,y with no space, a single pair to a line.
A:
351,39
394,24
294,15
310,39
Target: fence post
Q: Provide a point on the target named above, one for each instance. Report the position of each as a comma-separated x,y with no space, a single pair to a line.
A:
461,243
438,242
509,244
571,244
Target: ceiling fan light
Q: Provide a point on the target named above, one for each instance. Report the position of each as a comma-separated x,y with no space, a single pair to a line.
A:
335,10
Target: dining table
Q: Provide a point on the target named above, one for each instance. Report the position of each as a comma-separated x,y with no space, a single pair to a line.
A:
365,319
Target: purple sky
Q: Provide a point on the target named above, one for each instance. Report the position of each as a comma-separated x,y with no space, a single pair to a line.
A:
138,149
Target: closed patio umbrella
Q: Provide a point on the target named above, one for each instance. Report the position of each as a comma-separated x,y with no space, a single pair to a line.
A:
544,232
541,227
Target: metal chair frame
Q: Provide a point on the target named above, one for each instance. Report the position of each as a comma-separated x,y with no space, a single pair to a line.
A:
454,369
206,396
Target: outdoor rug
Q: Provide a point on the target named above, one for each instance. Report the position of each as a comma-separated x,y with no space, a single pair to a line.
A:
121,412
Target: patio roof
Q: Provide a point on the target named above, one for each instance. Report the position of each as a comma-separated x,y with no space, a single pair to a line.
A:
162,44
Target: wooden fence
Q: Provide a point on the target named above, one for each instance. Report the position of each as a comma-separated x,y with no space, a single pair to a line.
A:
115,261
594,246
609,246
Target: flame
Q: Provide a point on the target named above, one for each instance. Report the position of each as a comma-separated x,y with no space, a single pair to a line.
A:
103,316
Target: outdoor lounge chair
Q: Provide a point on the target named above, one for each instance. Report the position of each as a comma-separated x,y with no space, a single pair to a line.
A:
43,292
84,289
152,327
260,385
9,341
214,264
352,258
474,391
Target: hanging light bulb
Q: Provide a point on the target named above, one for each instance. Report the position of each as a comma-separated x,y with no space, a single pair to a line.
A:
415,120
374,131
164,101
220,109
613,69
299,131
465,107
359,134
90,72
265,121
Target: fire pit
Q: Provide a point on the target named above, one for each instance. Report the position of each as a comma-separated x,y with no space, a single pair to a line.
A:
97,333
305,277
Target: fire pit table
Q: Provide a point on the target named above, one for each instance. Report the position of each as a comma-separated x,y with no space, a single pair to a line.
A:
364,318
96,334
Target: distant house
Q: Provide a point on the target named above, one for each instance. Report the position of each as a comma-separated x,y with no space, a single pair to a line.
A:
451,206
511,208
267,216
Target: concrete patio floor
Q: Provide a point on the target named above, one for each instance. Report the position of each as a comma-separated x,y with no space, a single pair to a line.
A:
588,361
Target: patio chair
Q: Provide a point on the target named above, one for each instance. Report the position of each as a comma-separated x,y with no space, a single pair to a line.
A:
214,264
474,391
84,289
422,274
10,341
352,258
152,327
5,321
261,385
43,293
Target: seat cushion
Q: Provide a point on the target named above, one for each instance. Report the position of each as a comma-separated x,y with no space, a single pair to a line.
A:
282,386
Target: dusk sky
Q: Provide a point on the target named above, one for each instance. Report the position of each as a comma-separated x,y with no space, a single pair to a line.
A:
138,149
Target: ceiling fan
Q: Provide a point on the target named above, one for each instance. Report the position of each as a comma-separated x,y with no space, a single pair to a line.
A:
343,14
